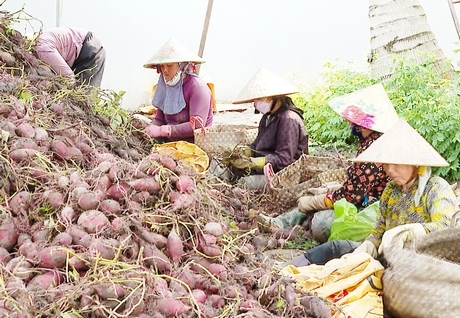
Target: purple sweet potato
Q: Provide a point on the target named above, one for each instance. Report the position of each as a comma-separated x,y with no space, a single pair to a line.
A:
84,147
182,201
185,183
118,224
154,257
45,281
79,236
74,154
78,191
59,148
88,201
110,206
140,197
23,143
20,268
171,307
102,183
161,288
105,156
210,250
175,246
62,239
5,256
67,215
25,130
93,221
41,235
55,199
168,162
199,295
105,248
19,155
52,257
30,251
119,191
150,185
8,237
78,261
41,134
151,237
109,290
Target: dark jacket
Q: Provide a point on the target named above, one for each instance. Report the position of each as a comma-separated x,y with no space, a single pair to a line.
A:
281,139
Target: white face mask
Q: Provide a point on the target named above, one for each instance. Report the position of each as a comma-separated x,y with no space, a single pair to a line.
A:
263,106
176,78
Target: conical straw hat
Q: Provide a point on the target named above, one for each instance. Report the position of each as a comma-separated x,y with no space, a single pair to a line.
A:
402,144
369,107
264,84
172,52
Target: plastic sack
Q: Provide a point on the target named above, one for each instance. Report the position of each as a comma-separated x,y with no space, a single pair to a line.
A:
349,224
353,283
188,154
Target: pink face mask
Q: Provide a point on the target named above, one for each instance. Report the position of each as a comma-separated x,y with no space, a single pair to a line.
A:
263,106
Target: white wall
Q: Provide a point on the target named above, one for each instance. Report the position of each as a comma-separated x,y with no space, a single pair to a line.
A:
293,38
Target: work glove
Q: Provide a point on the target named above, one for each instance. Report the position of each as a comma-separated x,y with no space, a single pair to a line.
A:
252,163
322,190
155,131
367,247
246,150
397,236
313,203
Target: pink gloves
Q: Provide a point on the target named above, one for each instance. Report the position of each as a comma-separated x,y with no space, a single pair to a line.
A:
158,131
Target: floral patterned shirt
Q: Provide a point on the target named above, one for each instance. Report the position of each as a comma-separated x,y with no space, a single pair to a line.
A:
365,181
435,210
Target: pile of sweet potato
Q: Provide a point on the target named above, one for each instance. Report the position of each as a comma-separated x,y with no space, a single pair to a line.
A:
94,225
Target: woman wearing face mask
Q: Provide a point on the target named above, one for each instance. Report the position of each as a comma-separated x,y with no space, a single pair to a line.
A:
370,113
415,201
282,137
182,99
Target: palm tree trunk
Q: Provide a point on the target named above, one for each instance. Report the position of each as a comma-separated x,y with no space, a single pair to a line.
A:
400,28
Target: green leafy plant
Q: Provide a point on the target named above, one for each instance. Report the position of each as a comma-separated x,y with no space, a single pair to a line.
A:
431,105
420,94
301,243
107,103
325,127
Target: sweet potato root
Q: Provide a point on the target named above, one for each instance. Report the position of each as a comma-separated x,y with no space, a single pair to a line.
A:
8,237
172,307
52,257
175,246
20,155
93,221
154,257
45,281
150,185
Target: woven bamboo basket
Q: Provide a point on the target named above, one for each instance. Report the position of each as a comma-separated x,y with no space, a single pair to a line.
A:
217,139
293,182
424,280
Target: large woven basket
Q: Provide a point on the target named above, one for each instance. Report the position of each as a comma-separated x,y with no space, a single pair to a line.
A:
293,182
217,139
424,281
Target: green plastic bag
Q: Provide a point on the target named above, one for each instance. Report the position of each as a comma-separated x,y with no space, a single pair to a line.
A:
349,224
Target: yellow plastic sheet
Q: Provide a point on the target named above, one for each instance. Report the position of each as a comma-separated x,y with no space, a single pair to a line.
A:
188,154
353,283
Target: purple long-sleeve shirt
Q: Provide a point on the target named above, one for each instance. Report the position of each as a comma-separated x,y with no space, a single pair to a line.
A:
60,47
198,102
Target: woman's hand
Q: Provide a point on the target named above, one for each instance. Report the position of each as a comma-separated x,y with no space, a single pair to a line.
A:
155,131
